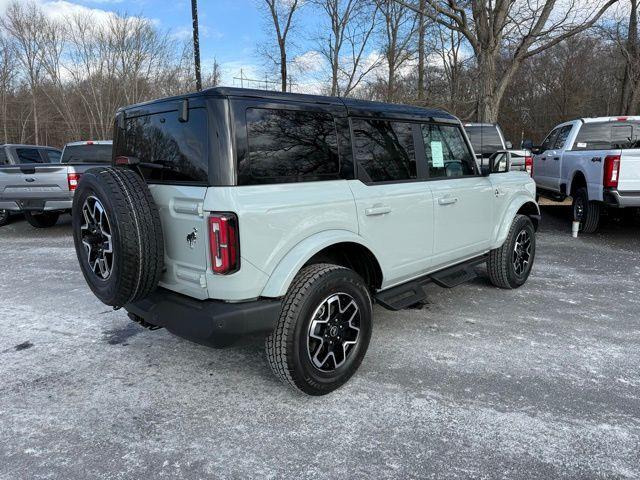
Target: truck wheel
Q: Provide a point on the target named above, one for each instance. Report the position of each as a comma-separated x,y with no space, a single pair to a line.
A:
585,211
323,331
4,217
42,220
510,265
117,235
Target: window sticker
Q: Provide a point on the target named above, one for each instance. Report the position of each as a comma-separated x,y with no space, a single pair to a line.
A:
437,159
582,145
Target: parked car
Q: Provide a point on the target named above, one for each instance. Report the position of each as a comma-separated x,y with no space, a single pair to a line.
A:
595,161
488,139
234,211
44,190
15,154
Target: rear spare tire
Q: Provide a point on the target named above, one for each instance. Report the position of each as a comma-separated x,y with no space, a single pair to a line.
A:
42,220
117,235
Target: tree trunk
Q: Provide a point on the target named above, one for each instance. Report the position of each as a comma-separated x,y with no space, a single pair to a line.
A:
35,117
421,40
628,81
283,65
488,101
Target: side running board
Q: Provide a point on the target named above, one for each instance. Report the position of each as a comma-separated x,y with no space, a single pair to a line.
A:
412,292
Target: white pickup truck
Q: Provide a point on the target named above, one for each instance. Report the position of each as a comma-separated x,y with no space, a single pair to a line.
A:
596,161
45,190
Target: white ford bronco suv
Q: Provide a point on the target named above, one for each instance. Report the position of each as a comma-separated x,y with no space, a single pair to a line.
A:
231,211
595,161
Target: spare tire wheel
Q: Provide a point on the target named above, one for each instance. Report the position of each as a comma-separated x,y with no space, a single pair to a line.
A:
117,235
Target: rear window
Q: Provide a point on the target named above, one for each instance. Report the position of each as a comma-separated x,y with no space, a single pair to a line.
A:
168,150
289,146
484,139
384,150
608,136
93,153
29,155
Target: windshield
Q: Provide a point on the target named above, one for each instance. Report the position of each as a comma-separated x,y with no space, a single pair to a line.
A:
95,153
485,139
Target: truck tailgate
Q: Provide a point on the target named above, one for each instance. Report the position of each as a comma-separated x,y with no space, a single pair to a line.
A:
36,181
629,180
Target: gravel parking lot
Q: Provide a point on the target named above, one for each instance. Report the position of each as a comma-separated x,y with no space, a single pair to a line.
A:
542,382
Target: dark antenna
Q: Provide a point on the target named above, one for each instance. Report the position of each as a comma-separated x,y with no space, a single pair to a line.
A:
196,43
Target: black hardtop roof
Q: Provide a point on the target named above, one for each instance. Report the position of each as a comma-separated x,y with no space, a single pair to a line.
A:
354,106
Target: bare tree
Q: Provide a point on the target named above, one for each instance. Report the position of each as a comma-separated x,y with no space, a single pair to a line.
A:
630,92
523,27
282,13
25,23
7,76
399,29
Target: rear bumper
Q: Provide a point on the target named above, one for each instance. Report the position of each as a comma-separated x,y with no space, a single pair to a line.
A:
622,199
40,205
209,322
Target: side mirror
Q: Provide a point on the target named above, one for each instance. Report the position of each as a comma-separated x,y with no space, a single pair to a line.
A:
499,162
509,145
527,144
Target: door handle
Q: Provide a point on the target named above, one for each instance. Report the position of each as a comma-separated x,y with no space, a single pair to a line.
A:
556,158
447,200
377,210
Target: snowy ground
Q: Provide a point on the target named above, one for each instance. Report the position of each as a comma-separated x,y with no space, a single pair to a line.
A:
542,382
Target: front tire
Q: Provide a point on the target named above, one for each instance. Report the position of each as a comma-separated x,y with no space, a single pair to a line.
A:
323,331
4,217
42,220
585,211
510,265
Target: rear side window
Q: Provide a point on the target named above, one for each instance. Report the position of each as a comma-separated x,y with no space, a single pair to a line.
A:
563,134
90,153
168,150
29,155
608,135
384,150
54,156
3,157
289,146
447,153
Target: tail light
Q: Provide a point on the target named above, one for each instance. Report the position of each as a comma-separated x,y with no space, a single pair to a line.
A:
224,241
611,170
73,179
528,165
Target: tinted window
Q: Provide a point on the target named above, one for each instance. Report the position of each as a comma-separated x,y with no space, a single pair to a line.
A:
484,139
53,155
290,146
593,136
549,142
447,153
91,153
560,140
608,135
29,155
385,150
168,150
3,157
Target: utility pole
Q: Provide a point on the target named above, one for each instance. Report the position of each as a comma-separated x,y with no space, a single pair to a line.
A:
196,43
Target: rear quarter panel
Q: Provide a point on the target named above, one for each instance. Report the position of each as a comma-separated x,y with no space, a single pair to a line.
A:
587,162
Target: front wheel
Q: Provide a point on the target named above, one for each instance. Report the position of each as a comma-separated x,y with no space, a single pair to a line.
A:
4,217
510,265
42,220
323,331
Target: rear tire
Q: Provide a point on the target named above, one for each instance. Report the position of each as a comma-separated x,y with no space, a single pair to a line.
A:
585,211
42,220
4,217
510,265
323,331
117,235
